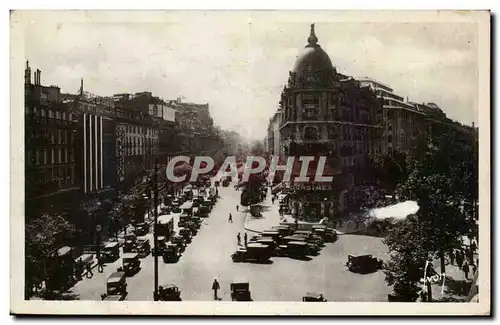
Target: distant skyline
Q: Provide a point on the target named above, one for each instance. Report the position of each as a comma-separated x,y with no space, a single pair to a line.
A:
239,64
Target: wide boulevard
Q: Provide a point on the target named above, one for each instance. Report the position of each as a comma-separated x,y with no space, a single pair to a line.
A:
208,257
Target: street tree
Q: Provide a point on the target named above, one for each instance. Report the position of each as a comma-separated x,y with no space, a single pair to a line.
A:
436,183
409,252
43,235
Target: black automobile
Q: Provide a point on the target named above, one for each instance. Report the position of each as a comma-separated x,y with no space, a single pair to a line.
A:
240,291
161,242
313,297
169,292
363,264
171,254
141,229
186,233
180,242
116,287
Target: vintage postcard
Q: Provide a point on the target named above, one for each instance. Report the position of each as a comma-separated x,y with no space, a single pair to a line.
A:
250,162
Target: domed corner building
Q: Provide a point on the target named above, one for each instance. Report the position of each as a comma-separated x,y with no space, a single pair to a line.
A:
325,113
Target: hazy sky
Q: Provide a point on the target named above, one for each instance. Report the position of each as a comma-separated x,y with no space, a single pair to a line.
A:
239,66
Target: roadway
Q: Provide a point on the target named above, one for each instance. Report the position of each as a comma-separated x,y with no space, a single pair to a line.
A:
208,257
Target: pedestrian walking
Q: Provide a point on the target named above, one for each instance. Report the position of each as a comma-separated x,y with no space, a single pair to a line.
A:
238,238
100,264
215,288
474,268
246,239
452,257
237,208
230,218
465,268
89,271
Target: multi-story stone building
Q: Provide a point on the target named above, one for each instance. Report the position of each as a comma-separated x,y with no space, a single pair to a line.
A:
51,179
196,134
96,158
325,113
402,121
329,114
273,135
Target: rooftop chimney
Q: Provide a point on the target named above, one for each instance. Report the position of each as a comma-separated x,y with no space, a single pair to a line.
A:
27,73
81,87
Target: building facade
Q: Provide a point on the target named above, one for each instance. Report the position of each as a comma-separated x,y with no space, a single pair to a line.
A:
325,113
51,179
138,118
402,121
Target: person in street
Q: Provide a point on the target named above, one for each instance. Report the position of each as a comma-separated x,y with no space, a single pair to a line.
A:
452,257
100,264
237,208
215,288
474,268
238,238
246,239
459,258
465,268
89,271
230,218
473,246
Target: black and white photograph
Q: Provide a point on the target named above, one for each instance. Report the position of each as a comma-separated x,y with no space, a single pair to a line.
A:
250,162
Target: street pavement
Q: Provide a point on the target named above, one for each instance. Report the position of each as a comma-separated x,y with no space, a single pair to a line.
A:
208,257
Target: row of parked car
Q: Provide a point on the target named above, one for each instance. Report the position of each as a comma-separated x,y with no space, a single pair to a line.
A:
285,240
189,224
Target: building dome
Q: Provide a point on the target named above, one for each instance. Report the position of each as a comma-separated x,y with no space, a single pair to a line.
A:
313,58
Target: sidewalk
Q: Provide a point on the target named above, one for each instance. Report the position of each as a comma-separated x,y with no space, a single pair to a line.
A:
271,217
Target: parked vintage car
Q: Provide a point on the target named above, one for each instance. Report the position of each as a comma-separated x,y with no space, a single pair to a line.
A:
169,292
283,230
273,234
116,287
253,252
297,249
186,233
171,254
314,297
161,242
143,247
271,243
131,263
331,235
180,242
240,291
111,252
129,246
203,211
141,229
363,264
193,227
183,219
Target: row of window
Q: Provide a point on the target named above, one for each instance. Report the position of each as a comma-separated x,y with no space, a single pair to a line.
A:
52,136
50,113
54,156
138,129
351,133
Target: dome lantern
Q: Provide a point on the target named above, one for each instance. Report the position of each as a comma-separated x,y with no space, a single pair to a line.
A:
312,39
